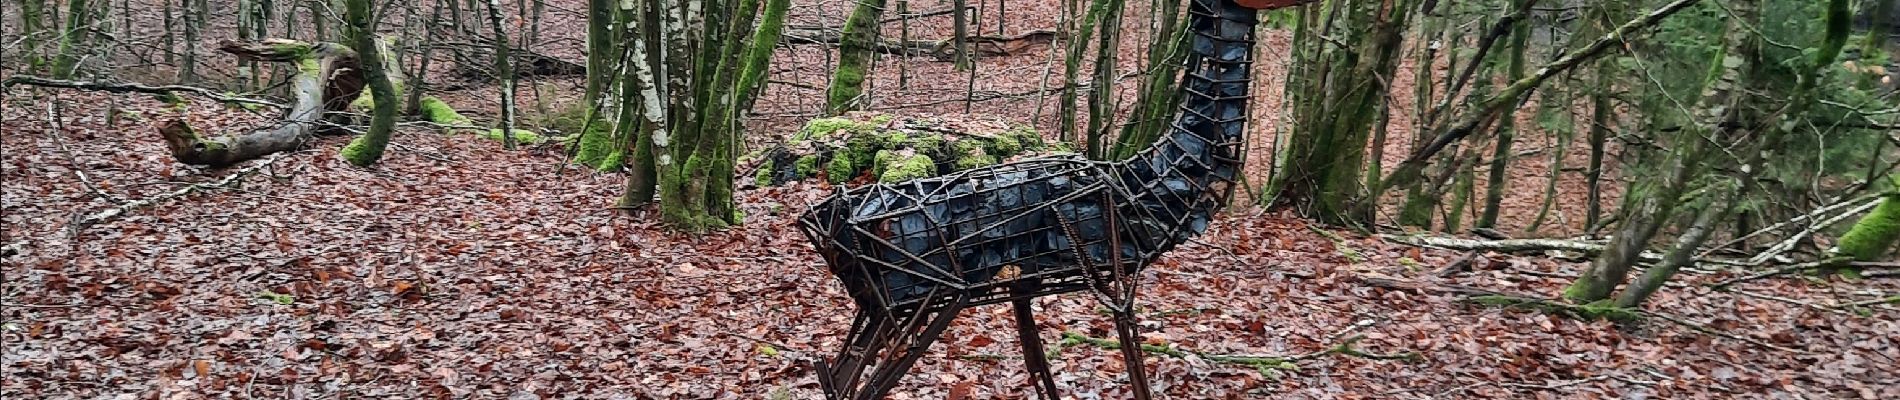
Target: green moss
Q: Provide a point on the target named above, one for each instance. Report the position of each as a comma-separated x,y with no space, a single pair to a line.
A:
596,146
1026,137
1005,146
893,139
357,152
882,119
928,144
521,136
806,166
1875,234
971,154
840,169
825,127
883,161
437,111
764,176
913,167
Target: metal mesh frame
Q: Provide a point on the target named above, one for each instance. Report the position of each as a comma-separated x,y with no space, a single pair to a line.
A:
912,254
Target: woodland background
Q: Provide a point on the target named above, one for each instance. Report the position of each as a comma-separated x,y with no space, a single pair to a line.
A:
1391,241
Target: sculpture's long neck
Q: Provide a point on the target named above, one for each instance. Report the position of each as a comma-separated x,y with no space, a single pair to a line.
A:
1183,178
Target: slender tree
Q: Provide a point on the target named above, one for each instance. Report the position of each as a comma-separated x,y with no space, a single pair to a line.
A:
505,72
366,150
856,48
72,43
692,124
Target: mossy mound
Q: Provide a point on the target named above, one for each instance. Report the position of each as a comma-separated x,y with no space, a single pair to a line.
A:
866,148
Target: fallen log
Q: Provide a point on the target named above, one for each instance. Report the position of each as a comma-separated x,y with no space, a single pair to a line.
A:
939,50
1585,248
327,80
165,92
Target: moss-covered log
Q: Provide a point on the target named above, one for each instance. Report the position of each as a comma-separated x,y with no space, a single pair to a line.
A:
327,80
882,149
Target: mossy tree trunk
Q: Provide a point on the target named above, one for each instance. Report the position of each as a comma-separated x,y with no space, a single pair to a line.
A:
73,41
32,28
1102,81
596,144
855,51
696,123
366,150
1655,198
1158,93
1682,254
1507,125
1076,47
1876,233
194,13
1327,154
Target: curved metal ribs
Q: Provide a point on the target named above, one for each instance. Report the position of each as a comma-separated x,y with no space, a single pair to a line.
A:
913,254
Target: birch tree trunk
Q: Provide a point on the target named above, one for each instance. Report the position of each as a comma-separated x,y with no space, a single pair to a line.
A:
505,73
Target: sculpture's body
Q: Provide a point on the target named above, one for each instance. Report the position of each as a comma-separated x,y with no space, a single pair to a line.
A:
913,254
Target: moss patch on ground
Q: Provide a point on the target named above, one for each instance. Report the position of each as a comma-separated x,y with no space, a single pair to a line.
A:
889,149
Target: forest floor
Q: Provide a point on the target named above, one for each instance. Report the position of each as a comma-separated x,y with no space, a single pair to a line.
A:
455,269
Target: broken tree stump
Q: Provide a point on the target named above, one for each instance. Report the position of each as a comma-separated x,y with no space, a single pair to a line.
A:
327,80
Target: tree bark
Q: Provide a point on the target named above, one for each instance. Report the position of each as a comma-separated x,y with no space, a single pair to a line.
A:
1102,83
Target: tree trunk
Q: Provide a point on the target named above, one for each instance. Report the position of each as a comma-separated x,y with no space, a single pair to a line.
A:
1507,126
1323,168
695,123
372,56
32,27
1158,91
854,58
597,143
73,41
1681,255
1656,197
503,70
960,33
1102,83
328,78
1077,46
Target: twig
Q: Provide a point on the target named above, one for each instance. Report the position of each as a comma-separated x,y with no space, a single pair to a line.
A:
1705,329
115,212
59,137
1816,307
1791,241
132,88
1263,362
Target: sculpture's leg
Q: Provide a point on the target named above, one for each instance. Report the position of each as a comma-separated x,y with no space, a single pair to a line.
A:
869,331
1033,353
907,344
1131,352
